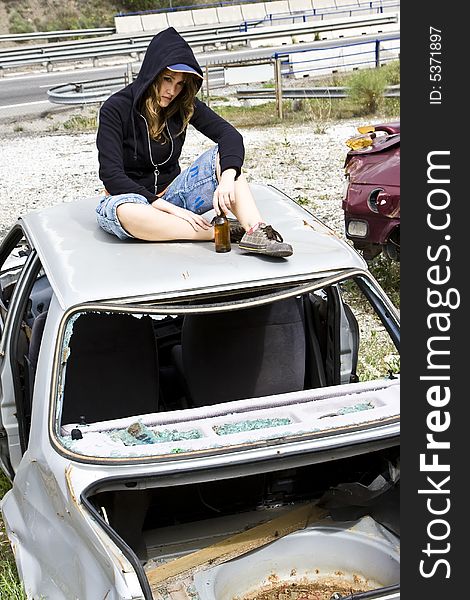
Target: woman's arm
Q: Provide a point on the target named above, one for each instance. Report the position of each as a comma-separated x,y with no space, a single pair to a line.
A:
109,141
224,195
220,131
231,152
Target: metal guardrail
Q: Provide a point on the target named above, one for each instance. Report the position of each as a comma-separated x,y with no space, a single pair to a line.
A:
392,91
54,35
133,41
57,53
99,91
358,55
86,92
89,92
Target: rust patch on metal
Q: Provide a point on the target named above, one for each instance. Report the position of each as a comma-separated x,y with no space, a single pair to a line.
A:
323,588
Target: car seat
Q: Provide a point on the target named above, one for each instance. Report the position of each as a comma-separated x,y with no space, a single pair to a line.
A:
333,336
244,353
112,369
37,331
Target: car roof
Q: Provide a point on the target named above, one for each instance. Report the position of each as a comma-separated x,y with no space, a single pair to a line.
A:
85,264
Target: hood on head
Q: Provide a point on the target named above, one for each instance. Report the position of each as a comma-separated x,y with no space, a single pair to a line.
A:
166,48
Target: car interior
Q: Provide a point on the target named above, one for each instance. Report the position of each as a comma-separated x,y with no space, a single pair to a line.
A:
120,365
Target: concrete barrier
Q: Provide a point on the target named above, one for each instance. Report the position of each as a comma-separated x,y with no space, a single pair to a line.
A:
321,4
276,7
180,18
205,16
351,4
358,31
254,11
363,11
305,38
232,14
128,24
154,22
300,5
329,60
278,41
250,74
229,14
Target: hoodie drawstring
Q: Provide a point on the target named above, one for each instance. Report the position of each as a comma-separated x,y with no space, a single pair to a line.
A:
135,139
156,165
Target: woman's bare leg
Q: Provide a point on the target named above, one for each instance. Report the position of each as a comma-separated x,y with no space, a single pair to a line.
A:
259,240
152,225
244,207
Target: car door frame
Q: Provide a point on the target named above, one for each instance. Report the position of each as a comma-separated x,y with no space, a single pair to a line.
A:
14,432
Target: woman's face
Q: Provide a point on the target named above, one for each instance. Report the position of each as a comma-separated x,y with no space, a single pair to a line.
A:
171,85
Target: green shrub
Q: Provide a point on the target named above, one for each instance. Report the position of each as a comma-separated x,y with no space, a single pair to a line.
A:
10,587
387,273
392,72
78,123
18,24
137,5
68,19
366,90
391,107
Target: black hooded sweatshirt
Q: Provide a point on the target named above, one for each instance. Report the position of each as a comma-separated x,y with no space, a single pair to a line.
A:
126,154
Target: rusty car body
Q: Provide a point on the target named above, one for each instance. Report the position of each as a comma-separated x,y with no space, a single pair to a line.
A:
371,202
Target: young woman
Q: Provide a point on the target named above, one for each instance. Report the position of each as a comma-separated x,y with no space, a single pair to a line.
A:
141,133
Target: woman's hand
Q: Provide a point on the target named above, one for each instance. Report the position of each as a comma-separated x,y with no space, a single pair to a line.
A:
224,195
197,222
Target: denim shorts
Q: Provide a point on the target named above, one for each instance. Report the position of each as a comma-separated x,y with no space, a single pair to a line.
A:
192,189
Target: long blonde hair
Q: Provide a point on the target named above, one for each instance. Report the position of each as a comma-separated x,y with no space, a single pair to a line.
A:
157,115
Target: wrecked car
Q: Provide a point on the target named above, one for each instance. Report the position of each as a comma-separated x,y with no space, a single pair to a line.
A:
172,417
371,201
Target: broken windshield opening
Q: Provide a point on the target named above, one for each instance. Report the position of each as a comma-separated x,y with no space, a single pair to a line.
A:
138,384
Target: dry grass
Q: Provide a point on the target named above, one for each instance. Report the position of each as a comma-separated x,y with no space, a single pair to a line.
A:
10,587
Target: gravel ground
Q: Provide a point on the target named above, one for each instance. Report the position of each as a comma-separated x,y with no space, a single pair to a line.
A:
42,169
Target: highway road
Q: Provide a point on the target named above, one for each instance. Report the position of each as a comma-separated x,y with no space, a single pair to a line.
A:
25,95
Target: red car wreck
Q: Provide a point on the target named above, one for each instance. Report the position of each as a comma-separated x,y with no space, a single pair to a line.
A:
371,202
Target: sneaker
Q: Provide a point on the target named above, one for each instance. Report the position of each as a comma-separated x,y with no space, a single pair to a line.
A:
265,240
236,231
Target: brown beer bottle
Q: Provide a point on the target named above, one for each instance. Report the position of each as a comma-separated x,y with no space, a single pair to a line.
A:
222,233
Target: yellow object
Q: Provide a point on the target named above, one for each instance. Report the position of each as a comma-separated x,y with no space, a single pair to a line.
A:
366,129
359,141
